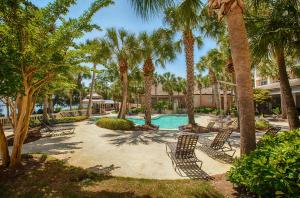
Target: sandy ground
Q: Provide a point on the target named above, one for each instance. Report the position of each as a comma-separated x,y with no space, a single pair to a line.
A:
135,154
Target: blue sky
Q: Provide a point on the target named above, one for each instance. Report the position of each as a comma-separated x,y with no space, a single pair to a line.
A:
122,15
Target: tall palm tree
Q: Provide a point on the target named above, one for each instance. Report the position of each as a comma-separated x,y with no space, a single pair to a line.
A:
213,62
275,32
96,53
124,48
202,82
156,49
185,18
233,9
156,82
168,81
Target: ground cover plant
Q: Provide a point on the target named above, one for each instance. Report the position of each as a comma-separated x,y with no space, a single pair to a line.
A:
262,124
115,124
44,176
272,170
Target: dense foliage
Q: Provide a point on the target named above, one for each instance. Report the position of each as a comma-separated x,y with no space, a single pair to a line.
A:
204,110
273,168
262,124
115,124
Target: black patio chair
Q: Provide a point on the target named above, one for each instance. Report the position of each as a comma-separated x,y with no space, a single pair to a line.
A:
182,152
219,143
54,128
270,132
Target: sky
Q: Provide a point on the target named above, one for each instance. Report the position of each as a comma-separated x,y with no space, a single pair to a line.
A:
122,15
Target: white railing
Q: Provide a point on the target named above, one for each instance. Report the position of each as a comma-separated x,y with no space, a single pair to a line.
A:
6,122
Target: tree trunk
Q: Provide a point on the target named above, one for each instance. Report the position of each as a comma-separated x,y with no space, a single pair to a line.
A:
45,108
90,104
291,110
225,100
4,148
25,107
7,107
189,40
80,100
283,108
71,100
51,106
148,75
123,67
241,61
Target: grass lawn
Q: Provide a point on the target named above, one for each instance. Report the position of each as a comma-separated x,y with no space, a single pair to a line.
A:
43,176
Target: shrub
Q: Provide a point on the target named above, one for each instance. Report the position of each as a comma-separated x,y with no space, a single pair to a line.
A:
204,110
136,111
276,111
262,124
115,124
272,170
70,119
161,106
34,123
58,109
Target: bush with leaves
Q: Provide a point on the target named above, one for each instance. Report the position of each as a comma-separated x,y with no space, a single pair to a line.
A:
161,106
204,110
262,124
115,124
273,169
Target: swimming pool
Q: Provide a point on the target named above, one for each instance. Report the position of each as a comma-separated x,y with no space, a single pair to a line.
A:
164,121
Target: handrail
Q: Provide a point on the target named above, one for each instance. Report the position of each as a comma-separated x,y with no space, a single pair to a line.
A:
6,122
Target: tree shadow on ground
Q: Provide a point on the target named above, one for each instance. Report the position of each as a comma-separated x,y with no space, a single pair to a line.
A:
40,176
53,146
119,138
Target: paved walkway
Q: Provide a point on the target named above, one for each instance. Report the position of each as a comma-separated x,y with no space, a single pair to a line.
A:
135,154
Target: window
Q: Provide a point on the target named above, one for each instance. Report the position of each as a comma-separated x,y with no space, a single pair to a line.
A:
263,82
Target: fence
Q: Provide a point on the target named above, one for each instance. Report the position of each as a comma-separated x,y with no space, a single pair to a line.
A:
6,122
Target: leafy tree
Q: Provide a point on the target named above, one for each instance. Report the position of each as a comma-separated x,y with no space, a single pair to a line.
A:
168,81
261,97
273,27
36,49
156,49
96,53
185,18
124,49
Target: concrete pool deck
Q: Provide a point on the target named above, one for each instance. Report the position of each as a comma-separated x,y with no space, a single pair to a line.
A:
136,154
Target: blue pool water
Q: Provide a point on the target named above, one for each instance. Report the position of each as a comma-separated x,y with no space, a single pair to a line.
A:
164,121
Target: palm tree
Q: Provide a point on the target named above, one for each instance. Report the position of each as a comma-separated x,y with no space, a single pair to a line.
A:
233,9
124,48
96,53
213,62
156,82
168,81
185,18
156,49
275,32
202,82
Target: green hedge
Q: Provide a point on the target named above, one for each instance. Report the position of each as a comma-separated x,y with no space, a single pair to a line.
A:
262,124
204,110
115,124
70,119
273,169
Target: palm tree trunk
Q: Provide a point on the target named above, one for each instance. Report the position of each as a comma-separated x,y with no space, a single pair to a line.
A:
241,61
283,108
80,100
148,75
71,99
89,109
225,100
291,110
189,40
124,79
